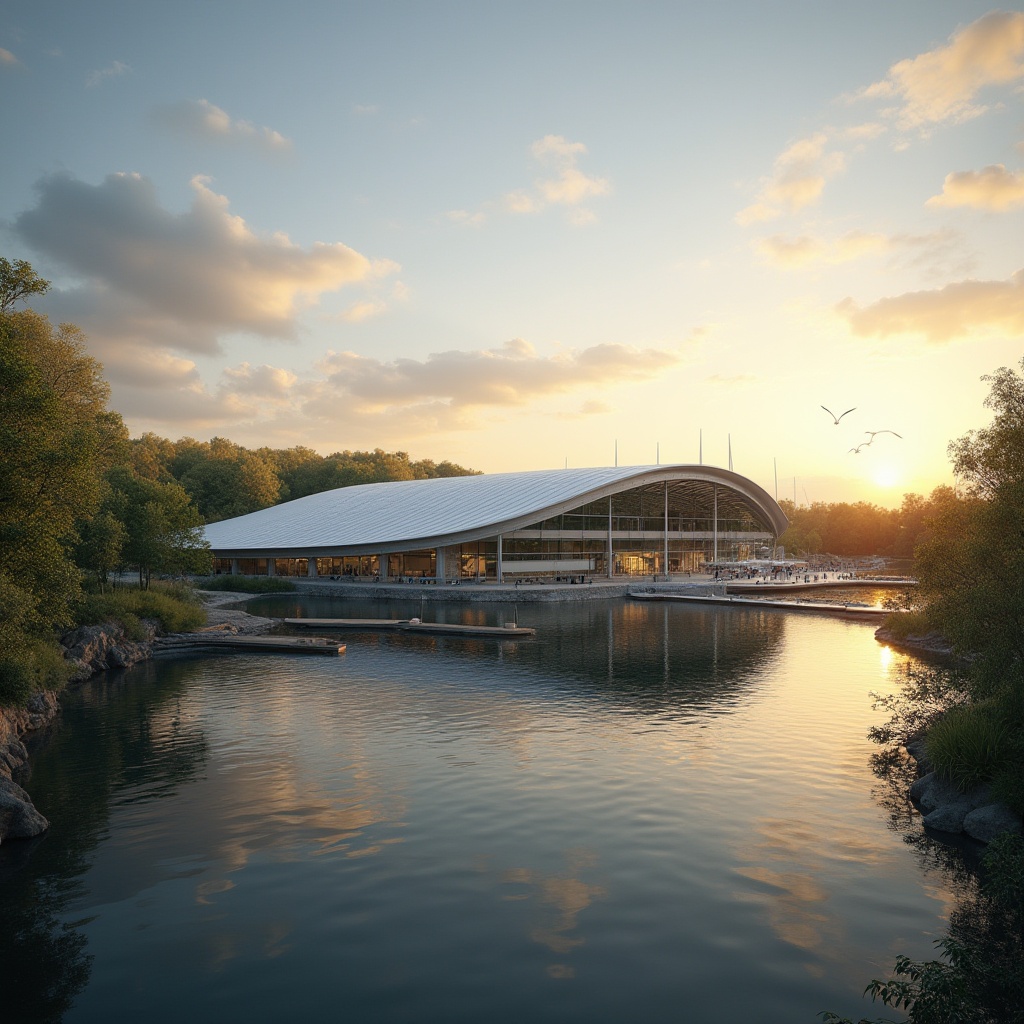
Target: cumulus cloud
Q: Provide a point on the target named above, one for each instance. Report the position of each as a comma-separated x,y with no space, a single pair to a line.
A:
378,400
944,84
991,188
798,179
200,119
564,185
264,381
510,375
115,70
7,59
957,310
204,270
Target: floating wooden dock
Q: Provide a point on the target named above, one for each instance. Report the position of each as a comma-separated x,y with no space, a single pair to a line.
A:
269,644
849,611
413,626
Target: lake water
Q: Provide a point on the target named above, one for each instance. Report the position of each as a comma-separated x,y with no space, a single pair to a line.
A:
646,813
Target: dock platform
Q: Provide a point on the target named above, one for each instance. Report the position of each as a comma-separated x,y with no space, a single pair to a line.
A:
854,611
413,626
268,644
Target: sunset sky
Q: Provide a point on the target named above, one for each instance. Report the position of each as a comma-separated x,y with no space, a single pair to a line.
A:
517,235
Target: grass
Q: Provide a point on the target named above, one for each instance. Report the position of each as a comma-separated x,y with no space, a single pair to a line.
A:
174,606
247,584
904,624
968,745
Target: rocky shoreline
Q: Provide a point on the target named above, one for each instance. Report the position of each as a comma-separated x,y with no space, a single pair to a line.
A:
943,808
91,650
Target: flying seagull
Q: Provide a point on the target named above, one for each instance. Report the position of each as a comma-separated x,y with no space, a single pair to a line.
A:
863,444
873,432
835,417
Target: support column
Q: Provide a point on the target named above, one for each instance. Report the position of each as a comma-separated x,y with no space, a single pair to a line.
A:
611,547
498,568
271,566
382,567
439,564
716,521
234,566
311,567
664,567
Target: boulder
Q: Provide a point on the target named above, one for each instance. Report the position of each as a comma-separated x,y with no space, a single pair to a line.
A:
948,817
93,649
990,820
18,818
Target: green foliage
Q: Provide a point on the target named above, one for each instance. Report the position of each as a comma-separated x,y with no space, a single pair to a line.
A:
17,281
912,623
163,529
967,745
225,480
971,565
860,528
247,584
176,610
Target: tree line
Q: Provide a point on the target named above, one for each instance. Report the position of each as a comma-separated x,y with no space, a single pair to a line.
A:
224,479
860,528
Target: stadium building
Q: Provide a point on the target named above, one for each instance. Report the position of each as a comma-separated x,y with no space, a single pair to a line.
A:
622,521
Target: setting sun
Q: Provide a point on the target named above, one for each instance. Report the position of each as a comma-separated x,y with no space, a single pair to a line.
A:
886,476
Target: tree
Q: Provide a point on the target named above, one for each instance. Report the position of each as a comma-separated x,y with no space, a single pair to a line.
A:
971,566
224,479
58,439
163,529
101,543
17,281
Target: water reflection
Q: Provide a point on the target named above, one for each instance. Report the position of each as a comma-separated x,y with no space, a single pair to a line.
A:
644,657
638,806
80,767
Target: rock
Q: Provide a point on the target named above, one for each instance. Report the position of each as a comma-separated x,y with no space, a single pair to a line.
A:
94,649
948,817
931,792
986,822
917,750
18,818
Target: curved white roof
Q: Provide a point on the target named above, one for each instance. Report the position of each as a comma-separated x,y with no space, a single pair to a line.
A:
406,514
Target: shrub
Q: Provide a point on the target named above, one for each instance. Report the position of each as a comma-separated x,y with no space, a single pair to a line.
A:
248,584
38,666
968,745
15,682
176,609
904,624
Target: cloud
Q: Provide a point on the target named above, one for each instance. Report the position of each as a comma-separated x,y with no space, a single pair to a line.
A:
938,250
115,70
366,310
806,249
566,186
375,401
943,84
957,310
198,273
200,119
265,381
364,109
992,188
8,60
798,179
510,375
